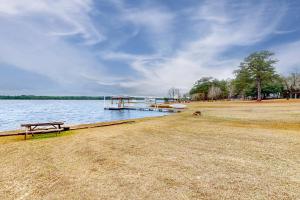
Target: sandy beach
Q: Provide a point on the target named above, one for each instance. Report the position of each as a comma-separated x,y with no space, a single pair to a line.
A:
234,150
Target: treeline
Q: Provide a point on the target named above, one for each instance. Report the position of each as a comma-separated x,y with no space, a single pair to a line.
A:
255,78
33,97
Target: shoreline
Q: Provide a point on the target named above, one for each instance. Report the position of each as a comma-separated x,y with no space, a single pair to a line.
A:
89,125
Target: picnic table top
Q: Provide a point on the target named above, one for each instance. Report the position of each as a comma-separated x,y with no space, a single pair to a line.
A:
42,124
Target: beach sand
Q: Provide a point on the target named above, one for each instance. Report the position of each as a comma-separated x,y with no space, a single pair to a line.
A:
234,150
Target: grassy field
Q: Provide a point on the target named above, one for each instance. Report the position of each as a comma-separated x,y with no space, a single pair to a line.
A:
235,150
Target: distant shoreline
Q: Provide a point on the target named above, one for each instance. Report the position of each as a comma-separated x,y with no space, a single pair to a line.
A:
33,97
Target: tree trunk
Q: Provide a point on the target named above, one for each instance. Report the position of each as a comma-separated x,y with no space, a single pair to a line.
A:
258,82
288,95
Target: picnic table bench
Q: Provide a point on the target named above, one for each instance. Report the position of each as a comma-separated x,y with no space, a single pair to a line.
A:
40,128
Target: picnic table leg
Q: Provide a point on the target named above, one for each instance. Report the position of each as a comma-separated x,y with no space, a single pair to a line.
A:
32,134
59,128
26,134
56,131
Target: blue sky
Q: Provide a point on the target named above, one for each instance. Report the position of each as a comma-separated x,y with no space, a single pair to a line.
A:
102,47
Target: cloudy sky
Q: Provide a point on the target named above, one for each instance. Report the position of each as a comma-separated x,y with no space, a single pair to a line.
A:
103,47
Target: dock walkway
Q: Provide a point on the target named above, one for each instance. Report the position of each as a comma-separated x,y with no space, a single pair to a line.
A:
171,110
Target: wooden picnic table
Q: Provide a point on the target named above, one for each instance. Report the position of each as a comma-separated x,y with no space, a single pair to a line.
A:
38,128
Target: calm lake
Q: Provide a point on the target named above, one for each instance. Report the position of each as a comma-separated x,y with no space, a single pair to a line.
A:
72,112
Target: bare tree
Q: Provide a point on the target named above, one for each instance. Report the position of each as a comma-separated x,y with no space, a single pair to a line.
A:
292,84
171,93
174,93
214,92
230,88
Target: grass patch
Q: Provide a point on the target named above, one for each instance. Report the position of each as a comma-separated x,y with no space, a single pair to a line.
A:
51,135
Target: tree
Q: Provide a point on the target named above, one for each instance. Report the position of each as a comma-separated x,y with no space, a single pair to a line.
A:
242,83
257,69
214,92
202,86
292,84
230,87
174,93
274,88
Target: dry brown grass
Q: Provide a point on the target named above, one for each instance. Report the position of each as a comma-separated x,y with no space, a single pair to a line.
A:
235,150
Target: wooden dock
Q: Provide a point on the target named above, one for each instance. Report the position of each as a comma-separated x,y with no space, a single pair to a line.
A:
169,110
124,103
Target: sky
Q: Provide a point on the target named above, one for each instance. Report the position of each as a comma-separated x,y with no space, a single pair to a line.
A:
139,48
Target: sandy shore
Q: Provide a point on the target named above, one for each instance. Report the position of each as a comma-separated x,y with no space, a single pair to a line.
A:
235,150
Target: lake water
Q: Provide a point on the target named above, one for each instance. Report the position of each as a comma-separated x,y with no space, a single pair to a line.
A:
72,112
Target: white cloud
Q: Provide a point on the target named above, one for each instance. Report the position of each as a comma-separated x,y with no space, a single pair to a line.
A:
33,37
62,17
155,20
203,57
37,37
288,56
